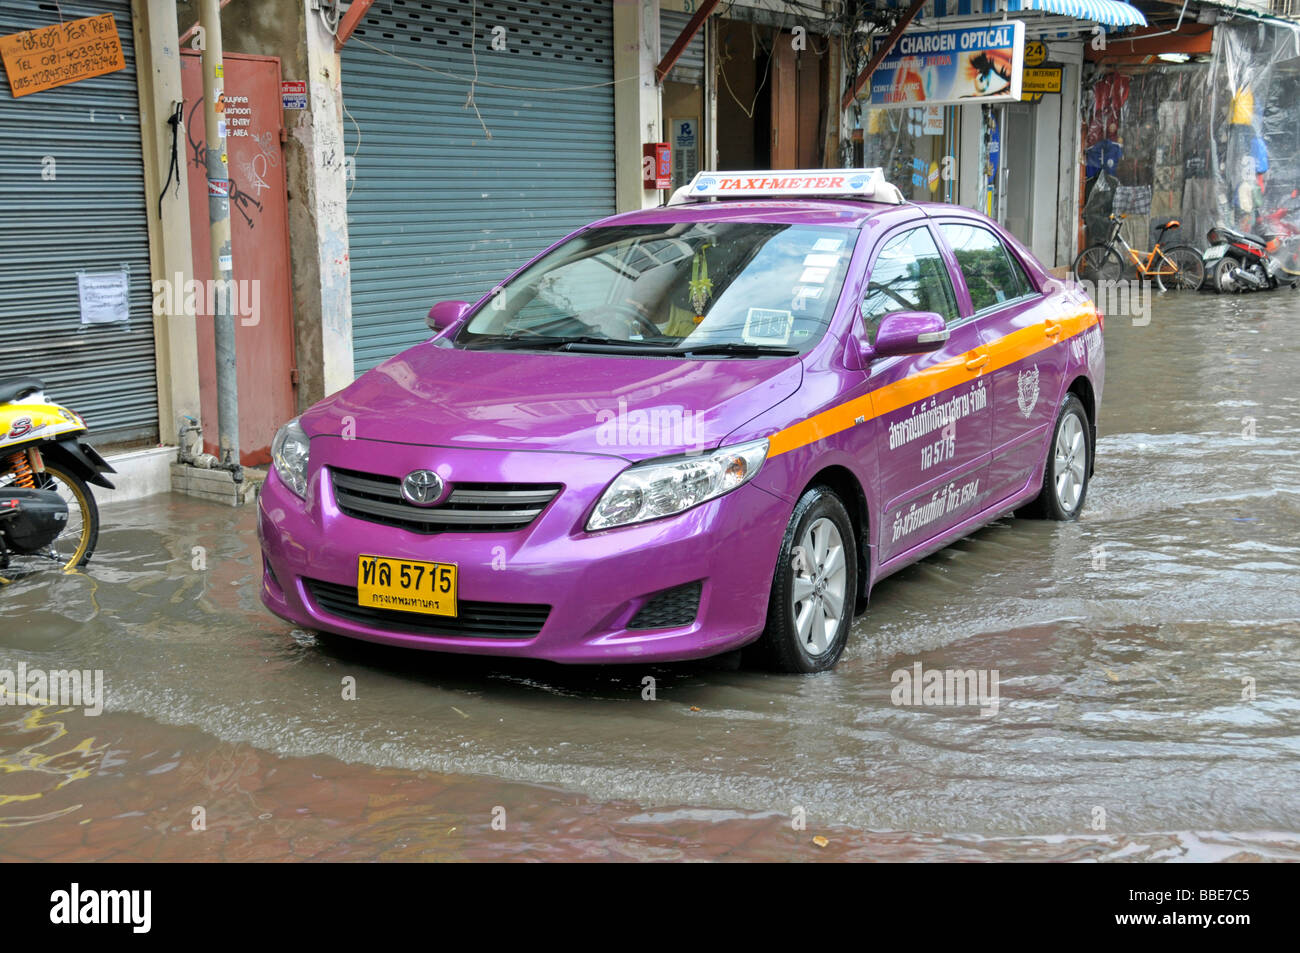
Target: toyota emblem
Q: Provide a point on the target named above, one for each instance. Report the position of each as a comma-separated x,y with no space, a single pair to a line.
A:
422,487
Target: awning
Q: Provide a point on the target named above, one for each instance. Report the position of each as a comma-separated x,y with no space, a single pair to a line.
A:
1109,12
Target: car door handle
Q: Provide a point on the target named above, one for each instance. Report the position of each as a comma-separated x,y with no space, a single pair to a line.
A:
1051,328
975,363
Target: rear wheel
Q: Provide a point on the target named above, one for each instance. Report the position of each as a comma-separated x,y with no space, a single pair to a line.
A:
1190,268
1069,459
1098,263
814,589
1221,276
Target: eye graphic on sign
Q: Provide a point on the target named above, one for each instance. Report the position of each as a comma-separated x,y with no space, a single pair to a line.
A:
990,70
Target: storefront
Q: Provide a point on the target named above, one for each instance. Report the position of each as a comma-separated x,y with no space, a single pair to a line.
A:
476,134
75,284
1197,125
1010,157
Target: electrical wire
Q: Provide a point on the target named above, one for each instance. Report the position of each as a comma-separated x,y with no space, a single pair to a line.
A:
344,103
480,82
331,26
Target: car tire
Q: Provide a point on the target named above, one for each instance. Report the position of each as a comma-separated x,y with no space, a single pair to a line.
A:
1068,468
803,633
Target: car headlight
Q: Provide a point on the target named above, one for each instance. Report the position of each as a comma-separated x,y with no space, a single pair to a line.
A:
648,491
289,450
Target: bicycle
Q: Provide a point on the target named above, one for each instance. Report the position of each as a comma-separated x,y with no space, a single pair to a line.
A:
1181,263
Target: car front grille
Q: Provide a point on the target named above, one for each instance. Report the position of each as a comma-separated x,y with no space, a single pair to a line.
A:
470,508
669,609
488,620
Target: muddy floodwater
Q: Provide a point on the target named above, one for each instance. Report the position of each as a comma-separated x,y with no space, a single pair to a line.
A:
1148,660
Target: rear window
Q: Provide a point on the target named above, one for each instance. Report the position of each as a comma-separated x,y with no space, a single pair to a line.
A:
908,275
993,276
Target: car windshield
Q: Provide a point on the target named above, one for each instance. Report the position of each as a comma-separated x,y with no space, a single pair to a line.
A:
744,289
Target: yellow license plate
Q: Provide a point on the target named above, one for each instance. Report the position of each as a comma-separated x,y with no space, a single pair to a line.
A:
406,585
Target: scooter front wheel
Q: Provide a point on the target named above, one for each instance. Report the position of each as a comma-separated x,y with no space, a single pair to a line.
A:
72,548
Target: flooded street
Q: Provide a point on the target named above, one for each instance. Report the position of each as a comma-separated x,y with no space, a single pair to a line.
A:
1149,658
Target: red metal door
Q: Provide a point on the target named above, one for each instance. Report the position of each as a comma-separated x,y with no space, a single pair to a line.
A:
259,236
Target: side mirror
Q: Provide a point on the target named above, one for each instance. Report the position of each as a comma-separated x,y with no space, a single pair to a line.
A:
446,315
906,332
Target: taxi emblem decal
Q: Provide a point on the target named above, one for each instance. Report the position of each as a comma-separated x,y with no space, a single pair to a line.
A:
1027,390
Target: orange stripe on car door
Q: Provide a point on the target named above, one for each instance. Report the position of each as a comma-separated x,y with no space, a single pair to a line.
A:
1008,349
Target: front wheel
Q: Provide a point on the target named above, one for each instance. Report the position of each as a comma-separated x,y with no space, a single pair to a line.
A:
1068,467
1189,267
72,548
814,589
1098,263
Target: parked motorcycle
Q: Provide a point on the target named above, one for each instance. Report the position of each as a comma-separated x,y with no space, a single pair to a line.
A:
1241,261
48,516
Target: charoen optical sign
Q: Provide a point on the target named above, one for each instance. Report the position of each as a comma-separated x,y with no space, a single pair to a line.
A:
943,67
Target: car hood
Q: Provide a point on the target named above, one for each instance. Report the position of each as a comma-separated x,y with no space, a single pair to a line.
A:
631,407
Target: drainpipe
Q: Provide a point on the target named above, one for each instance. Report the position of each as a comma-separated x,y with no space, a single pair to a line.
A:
1178,26
219,226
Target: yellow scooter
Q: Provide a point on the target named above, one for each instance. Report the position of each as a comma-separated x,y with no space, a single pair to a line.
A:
48,516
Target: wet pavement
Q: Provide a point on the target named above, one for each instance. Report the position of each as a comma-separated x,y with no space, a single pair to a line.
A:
1149,663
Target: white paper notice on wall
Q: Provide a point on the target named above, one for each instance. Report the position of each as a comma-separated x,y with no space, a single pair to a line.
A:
105,296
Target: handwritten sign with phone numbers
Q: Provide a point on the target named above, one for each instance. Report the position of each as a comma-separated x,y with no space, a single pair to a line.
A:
60,54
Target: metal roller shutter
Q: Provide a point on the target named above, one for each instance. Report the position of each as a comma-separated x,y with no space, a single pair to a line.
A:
439,209
90,217
689,67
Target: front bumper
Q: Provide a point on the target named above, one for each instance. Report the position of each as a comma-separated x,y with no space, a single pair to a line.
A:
594,583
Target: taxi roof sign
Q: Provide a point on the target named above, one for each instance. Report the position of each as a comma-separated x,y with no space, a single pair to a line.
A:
802,183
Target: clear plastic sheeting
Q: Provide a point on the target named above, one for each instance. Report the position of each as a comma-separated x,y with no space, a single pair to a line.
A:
1206,143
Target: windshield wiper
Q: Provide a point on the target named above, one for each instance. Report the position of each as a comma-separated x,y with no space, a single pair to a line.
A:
593,344
739,349
558,341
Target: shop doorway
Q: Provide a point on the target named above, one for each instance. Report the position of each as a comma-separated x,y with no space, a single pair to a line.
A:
1018,177
259,238
772,98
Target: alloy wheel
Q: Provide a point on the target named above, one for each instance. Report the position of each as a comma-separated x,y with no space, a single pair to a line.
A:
817,593
1070,462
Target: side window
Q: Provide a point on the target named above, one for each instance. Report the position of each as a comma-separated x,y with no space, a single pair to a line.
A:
908,275
992,273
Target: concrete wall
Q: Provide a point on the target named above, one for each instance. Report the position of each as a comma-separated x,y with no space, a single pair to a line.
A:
970,173
1067,195
637,116
158,75
1047,175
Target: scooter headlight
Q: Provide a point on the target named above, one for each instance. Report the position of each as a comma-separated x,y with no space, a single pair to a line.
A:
290,450
665,487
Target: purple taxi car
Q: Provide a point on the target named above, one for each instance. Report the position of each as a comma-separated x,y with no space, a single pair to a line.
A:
684,430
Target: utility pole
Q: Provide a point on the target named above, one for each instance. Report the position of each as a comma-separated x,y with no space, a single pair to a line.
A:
219,224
